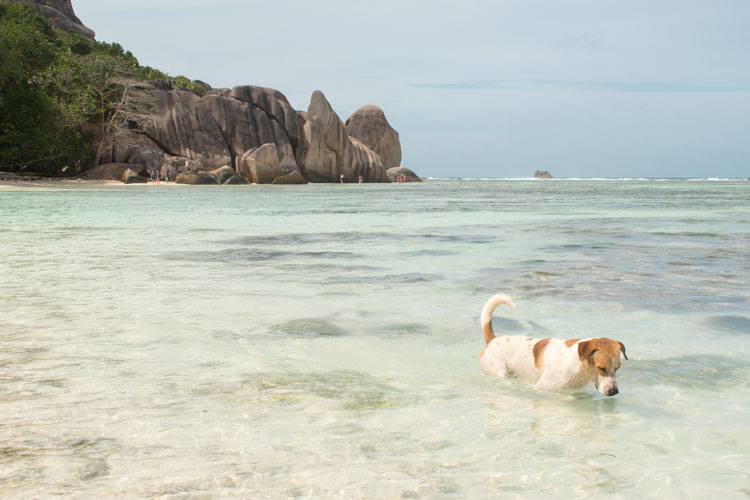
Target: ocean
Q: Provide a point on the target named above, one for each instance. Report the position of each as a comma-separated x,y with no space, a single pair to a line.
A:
321,341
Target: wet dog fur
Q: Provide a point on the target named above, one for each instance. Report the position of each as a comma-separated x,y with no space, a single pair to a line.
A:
549,364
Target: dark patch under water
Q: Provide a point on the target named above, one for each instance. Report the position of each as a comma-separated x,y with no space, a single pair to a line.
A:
309,328
238,255
404,329
355,391
739,325
358,237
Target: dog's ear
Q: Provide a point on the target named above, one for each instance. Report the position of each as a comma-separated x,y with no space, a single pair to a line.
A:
586,349
622,348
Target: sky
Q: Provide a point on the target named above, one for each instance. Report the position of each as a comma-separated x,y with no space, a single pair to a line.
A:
482,88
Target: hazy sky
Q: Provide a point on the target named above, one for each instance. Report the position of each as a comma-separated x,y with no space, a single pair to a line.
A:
482,88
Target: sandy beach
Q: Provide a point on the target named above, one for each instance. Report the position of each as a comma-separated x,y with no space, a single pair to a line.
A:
12,181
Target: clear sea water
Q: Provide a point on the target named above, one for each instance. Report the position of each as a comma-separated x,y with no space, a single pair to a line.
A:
321,341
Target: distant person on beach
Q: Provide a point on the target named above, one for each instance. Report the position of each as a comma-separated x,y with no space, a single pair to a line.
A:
166,177
187,165
360,179
153,176
341,178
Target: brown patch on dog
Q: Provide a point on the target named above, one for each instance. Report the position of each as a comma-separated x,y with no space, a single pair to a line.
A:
570,342
622,348
482,353
489,333
601,352
538,351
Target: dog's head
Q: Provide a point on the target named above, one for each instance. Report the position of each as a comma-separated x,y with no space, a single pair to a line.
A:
601,357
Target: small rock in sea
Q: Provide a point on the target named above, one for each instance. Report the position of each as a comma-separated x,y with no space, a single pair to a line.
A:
403,173
542,174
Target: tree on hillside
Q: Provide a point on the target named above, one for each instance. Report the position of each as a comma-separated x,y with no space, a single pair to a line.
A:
65,99
28,115
123,101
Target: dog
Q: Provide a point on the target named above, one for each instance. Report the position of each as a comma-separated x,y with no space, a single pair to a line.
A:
549,364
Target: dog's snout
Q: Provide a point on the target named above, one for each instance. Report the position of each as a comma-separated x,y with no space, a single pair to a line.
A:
612,391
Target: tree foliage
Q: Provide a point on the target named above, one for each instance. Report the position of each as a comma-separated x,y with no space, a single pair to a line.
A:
57,87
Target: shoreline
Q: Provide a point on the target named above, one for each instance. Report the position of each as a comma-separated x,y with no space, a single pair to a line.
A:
10,181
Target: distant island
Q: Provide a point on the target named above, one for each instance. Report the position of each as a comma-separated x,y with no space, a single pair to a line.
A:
542,174
93,111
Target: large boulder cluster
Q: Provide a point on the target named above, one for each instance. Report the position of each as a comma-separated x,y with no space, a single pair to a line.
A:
252,130
256,132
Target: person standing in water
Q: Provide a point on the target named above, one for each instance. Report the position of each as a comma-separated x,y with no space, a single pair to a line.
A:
341,178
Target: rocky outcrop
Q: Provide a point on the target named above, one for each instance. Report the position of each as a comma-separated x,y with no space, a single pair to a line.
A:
327,152
369,125
234,180
61,15
263,165
365,163
113,171
231,127
131,177
290,178
256,133
195,178
542,174
223,174
403,174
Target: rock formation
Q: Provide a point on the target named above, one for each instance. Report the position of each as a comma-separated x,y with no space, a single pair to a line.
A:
61,15
255,132
196,178
223,174
369,125
397,173
131,177
114,171
327,151
252,130
542,174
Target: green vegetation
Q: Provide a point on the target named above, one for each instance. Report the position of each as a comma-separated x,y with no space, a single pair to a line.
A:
61,95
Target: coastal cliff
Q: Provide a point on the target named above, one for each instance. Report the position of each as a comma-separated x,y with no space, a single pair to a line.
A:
61,15
174,125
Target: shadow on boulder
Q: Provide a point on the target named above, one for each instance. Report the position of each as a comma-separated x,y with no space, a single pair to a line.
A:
195,178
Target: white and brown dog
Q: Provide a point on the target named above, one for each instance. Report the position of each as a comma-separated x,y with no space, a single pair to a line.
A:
549,364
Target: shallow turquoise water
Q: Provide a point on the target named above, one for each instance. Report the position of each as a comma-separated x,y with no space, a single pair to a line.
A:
322,340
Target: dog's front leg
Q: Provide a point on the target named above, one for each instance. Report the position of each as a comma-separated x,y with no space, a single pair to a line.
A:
495,368
547,382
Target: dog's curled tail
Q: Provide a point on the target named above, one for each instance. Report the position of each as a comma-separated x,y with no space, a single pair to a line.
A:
489,308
